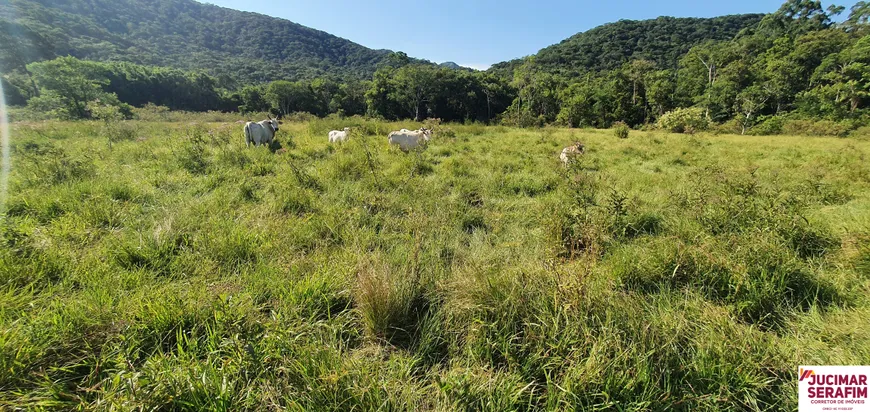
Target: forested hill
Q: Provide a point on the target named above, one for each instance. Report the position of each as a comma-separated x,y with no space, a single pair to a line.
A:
663,40
183,34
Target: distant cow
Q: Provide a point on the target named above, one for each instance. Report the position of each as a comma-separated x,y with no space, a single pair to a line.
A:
408,140
336,136
260,132
570,153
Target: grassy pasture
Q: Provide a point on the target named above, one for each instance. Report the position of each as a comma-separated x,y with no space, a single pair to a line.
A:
159,265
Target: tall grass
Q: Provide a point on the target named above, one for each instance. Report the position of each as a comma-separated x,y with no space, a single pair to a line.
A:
182,270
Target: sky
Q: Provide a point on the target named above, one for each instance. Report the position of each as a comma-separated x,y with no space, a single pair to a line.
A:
477,33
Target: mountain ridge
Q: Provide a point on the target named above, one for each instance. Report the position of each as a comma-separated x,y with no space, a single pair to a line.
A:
172,33
247,47
607,46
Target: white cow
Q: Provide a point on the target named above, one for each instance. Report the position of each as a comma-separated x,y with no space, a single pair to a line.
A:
336,136
570,153
408,140
260,132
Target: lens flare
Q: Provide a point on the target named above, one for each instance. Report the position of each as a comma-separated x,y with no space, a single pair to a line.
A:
4,148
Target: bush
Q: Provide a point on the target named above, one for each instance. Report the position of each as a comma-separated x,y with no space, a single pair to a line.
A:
299,117
620,130
120,131
115,128
817,128
861,132
153,113
27,113
446,132
767,126
688,120
786,124
473,129
192,154
733,126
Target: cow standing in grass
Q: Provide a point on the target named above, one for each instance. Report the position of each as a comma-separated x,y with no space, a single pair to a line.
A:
260,132
337,136
408,140
570,153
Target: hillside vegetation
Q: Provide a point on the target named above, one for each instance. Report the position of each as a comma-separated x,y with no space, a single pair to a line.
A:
165,266
662,41
794,71
183,34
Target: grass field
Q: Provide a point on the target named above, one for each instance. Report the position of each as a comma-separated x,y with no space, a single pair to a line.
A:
166,266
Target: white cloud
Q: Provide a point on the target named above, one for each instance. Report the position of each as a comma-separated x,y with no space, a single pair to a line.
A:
476,66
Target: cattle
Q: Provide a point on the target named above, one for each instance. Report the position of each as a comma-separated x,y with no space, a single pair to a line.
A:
260,132
408,140
570,153
337,136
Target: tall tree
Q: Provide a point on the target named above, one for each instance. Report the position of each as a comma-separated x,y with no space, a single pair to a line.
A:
749,101
288,97
413,87
72,84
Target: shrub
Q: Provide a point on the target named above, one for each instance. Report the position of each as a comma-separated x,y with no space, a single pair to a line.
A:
732,126
474,129
192,155
861,132
299,117
446,132
120,131
115,128
767,126
27,113
110,110
432,123
689,120
620,130
152,112
816,128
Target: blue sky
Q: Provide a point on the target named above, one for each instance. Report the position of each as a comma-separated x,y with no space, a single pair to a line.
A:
477,33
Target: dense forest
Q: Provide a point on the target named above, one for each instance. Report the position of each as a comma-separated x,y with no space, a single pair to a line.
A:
795,68
185,34
663,41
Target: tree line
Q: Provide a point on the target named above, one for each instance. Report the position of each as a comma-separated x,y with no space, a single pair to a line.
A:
64,87
795,62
